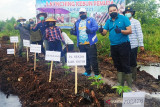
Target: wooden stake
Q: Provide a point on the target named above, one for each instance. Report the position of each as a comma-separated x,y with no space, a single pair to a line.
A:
34,61
50,76
14,50
27,54
16,45
76,79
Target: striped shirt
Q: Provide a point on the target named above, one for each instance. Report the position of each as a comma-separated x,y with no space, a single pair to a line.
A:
136,38
52,34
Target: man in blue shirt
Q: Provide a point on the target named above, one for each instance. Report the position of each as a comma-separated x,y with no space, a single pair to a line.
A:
119,28
85,29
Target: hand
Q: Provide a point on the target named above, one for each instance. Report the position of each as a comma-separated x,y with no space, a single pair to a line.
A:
15,25
117,30
142,49
88,31
100,29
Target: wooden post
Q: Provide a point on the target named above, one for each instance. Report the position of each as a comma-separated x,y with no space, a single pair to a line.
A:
27,54
76,79
50,76
14,50
34,61
16,45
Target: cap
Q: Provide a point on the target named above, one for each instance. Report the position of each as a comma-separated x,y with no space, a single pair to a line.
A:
82,10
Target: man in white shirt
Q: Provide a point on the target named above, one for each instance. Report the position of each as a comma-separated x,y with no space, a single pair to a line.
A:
136,40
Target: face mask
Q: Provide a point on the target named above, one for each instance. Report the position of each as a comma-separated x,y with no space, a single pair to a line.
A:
31,22
128,15
114,15
41,18
22,23
83,16
52,24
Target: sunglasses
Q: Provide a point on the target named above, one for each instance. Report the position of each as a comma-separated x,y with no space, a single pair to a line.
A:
81,12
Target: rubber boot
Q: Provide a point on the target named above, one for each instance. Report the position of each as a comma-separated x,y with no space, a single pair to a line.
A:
134,73
63,61
129,79
120,78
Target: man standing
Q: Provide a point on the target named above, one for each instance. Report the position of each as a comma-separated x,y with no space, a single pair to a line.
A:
119,27
24,33
136,40
85,29
42,25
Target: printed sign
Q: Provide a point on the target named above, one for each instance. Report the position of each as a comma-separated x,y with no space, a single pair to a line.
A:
35,48
10,51
76,59
53,56
14,39
133,99
26,43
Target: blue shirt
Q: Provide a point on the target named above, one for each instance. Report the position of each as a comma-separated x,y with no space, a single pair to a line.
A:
121,22
83,36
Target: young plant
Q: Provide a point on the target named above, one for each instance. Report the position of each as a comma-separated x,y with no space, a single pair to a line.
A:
65,67
97,80
121,89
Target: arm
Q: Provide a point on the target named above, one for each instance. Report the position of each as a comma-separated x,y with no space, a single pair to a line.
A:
94,26
127,31
36,27
16,27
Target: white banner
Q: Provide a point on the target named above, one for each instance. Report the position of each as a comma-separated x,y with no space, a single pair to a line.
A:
53,56
10,51
26,43
133,99
14,39
35,48
76,59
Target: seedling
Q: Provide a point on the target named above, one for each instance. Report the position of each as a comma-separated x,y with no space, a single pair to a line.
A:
65,67
97,80
121,89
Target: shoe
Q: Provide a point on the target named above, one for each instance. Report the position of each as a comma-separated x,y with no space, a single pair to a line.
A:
120,78
97,76
129,79
86,74
134,73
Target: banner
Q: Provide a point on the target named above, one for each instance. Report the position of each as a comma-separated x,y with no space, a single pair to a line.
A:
66,12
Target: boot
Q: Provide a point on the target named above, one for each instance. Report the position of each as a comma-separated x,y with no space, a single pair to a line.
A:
134,73
129,79
63,61
120,77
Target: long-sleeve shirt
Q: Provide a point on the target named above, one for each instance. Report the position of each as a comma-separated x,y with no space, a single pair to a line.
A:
136,38
52,34
67,39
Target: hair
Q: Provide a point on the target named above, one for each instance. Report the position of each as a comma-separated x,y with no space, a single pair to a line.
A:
112,5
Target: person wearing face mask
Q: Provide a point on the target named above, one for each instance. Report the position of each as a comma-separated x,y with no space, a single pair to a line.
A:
24,33
119,28
42,25
85,30
36,37
136,40
53,35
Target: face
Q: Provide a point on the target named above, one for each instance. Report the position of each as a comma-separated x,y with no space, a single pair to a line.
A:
112,9
129,12
82,13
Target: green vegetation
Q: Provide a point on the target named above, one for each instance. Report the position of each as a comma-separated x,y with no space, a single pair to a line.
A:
97,80
121,89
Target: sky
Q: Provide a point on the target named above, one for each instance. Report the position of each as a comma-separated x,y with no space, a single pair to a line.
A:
19,8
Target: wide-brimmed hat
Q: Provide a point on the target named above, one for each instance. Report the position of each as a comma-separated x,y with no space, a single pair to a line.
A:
44,14
50,19
130,10
21,18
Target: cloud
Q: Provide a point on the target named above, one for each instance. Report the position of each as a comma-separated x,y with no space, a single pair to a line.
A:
24,8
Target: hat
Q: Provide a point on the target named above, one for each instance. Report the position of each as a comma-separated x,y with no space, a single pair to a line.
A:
21,18
82,10
44,14
50,19
130,10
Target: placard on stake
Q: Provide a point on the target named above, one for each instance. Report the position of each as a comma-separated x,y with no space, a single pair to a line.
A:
52,56
76,59
26,43
14,39
36,49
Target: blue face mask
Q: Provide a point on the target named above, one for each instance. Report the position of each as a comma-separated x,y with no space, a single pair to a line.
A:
128,15
83,17
41,18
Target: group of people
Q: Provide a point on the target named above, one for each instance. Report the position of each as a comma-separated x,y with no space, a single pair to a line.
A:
125,36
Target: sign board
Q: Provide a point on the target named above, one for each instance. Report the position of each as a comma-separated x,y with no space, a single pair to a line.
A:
10,51
76,59
53,56
26,43
133,99
35,48
14,39
66,12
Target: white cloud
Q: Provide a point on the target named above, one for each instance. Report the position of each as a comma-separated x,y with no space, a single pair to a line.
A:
17,8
